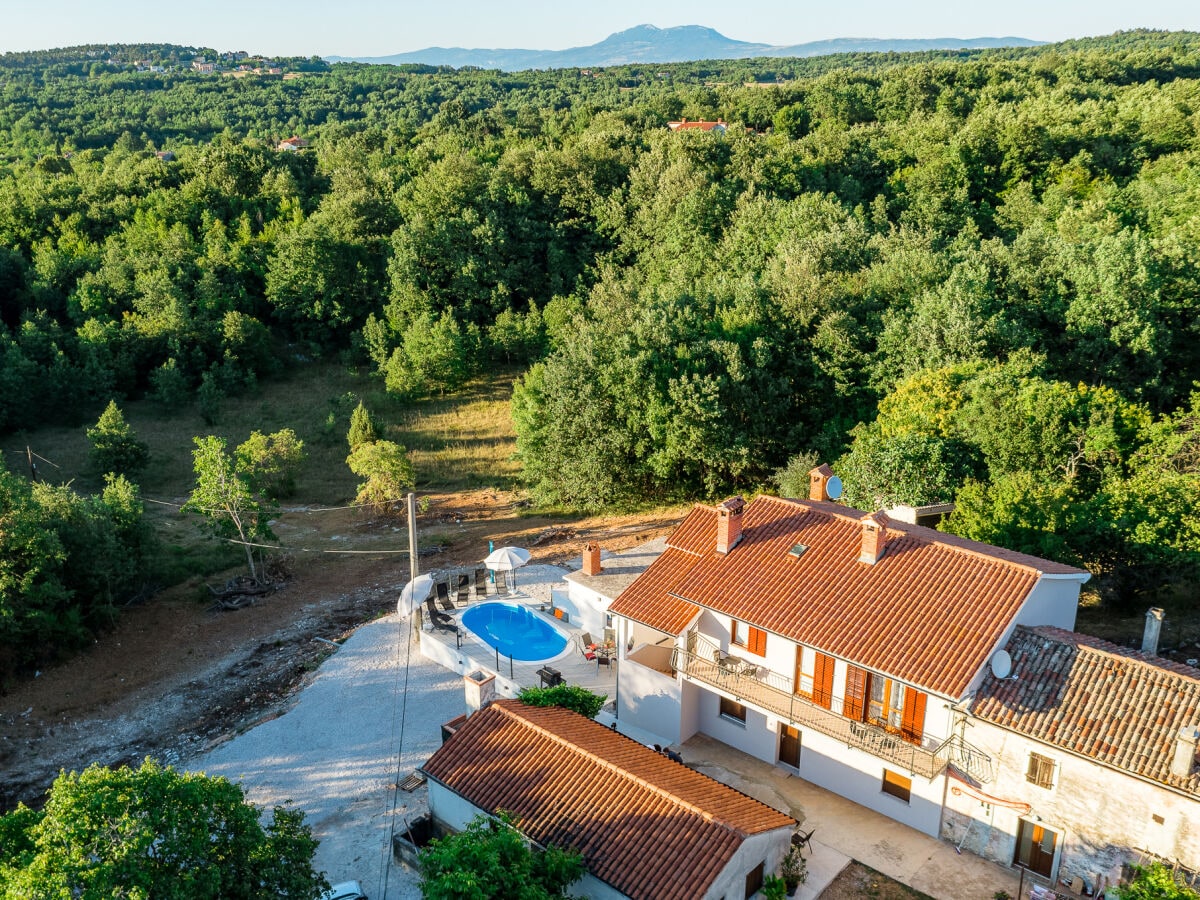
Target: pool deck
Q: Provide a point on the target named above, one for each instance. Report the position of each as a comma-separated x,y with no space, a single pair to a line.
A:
467,652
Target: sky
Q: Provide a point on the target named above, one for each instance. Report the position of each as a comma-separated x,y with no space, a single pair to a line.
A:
379,27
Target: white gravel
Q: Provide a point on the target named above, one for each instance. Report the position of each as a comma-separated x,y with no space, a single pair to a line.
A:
333,753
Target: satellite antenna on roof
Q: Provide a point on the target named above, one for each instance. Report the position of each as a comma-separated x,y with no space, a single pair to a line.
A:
833,487
1001,664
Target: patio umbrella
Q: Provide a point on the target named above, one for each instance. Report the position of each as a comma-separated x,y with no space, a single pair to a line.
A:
508,559
414,595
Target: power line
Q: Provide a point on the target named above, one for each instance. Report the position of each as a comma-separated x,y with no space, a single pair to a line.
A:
306,549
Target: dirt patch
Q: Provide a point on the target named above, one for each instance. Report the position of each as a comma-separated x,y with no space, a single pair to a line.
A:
176,676
857,880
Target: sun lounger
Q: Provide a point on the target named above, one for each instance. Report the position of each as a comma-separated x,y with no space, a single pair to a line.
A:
443,595
502,584
437,618
463,589
481,583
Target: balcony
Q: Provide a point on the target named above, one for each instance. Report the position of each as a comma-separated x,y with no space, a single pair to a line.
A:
772,693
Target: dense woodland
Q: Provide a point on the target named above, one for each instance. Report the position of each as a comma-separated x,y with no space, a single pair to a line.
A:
968,276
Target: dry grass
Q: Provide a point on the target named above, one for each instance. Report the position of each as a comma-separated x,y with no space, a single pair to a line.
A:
858,880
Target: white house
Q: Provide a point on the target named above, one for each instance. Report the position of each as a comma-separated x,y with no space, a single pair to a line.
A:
1094,749
841,645
647,827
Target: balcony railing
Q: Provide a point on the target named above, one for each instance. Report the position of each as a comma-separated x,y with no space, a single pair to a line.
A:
772,692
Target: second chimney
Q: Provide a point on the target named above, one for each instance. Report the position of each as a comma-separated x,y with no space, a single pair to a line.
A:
818,482
591,558
1154,617
729,524
874,537
1184,757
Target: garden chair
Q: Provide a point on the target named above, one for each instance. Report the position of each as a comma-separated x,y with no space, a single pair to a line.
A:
481,583
463,589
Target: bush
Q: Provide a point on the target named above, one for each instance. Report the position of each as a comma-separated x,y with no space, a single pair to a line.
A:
568,696
115,447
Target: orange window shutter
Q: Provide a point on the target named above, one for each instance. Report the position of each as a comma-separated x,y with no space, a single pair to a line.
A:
823,681
758,642
912,723
856,693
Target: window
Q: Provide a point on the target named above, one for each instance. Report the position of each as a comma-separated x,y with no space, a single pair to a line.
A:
885,702
731,709
897,785
754,879
1041,770
753,639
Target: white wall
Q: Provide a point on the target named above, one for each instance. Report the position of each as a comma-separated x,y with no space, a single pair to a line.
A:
650,700
768,847
448,808
586,608
1053,601
754,738
1101,815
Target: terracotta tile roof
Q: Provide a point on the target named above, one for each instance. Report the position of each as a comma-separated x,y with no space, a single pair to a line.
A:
929,612
649,827
1096,699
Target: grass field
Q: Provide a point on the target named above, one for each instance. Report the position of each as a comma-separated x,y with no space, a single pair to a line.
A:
459,441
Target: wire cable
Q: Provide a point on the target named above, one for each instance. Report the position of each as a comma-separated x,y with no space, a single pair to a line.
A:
401,702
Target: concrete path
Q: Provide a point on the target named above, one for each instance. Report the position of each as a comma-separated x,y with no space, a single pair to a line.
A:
845,831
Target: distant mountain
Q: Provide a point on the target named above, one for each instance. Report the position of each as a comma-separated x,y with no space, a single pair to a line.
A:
685,43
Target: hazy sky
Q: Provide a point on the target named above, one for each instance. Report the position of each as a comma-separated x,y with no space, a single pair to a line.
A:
378,28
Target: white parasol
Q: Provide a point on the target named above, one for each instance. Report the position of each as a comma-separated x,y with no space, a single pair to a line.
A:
414,595
507,558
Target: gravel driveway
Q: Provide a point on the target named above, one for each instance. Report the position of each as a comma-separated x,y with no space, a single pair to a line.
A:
333,753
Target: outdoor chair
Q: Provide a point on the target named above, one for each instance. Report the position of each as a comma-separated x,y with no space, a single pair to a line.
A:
463,589
437,618
481,583
800,839
502,584
443,595
604,661
585,648
585,639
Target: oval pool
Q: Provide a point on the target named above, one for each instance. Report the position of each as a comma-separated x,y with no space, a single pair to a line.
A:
514,631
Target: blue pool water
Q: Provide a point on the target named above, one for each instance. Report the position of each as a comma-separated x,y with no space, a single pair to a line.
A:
515,631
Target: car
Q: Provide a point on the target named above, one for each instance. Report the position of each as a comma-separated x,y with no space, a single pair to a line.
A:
346,890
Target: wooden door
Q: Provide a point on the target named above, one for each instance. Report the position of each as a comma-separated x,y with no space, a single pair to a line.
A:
1035,848
789,746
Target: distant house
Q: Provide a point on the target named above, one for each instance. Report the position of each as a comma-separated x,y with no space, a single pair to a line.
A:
292,144
648,828
165,155
204,68
1095,751
698,125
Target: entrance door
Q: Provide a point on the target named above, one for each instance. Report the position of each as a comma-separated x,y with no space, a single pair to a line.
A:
789,746
1035,848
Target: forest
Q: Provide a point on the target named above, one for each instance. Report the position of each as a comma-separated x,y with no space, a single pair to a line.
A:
955,276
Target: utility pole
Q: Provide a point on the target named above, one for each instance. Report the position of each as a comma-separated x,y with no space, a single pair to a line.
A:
33,472
413,565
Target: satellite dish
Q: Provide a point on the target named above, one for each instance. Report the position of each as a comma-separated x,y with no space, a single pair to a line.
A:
833,487
1001,664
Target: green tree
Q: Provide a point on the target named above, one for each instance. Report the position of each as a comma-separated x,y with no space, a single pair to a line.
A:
271,462
225,499
115,447
911,469
568,696
1155,882
792,480
362,428
388,472
154,832
490,860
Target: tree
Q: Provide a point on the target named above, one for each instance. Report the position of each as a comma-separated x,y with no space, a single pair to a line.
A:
115,447
154,832
271,462
388,472
223,496
490,860
792,480
568,696
362,428
912,469
1155,882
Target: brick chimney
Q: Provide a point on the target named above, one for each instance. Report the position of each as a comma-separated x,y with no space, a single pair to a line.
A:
818,482
874,537
729,524
1184,758
1154,617
591,558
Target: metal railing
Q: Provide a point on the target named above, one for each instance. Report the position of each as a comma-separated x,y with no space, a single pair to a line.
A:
772,692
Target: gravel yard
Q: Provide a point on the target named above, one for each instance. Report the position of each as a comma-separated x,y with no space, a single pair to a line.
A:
333,753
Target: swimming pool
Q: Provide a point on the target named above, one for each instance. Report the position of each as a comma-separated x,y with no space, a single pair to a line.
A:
515,631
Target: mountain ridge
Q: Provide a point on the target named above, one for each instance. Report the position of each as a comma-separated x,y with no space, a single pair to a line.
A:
682,43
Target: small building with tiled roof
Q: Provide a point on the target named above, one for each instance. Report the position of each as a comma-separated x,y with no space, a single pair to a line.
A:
647,827
717,127
292,144
1095,753
836,643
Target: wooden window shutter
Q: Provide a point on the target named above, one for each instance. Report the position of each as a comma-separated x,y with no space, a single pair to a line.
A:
856,693
912,723
823,681
757,642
